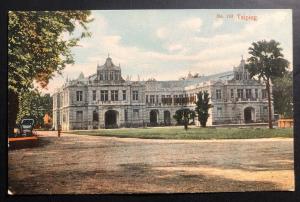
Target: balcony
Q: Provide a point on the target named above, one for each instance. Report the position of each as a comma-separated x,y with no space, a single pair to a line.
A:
251,99
153,104
110,102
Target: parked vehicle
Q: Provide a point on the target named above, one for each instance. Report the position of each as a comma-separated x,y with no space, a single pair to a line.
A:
23,136
26,127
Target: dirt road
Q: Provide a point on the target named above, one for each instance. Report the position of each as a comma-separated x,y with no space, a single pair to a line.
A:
92,165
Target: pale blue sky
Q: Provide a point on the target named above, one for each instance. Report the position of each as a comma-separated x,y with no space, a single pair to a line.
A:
167,44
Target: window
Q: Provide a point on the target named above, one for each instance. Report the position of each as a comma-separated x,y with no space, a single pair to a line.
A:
163,100
126,115
95,116
156,98
256,93
240,93
169,102
94,95
104,95
111,76
114,95
151,99
135,95
79,95
106,76
124,94
147,99
219,111
264,93
101,76
79,116
175,99
231,93
218,94
64,117
67,98
265,110
60,100
237,76
248,93
135,113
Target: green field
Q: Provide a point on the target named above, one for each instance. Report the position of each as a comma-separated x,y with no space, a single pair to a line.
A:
192,133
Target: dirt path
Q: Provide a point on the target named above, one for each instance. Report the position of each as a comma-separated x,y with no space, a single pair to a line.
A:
91,165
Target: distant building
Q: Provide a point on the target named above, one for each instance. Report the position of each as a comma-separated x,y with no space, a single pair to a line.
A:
106,100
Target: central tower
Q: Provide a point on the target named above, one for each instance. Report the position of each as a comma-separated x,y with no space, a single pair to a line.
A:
240,72
109,72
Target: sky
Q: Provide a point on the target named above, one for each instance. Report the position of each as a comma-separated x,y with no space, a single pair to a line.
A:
168,44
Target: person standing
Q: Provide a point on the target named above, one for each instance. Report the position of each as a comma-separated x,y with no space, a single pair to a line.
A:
59,130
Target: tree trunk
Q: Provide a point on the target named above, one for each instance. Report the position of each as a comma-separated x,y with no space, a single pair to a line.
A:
269,104
185,125
13,108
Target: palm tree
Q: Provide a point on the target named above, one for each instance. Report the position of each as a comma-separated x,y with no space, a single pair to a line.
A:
266,63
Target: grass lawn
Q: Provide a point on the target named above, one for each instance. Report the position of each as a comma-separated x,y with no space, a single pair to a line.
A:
191,133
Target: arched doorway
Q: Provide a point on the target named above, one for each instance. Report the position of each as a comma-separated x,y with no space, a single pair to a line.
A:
167,118
153,117
249,115
111,117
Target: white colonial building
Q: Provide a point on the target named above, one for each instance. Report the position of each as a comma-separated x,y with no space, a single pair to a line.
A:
106,100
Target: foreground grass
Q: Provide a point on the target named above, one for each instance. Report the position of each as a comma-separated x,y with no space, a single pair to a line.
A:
192,133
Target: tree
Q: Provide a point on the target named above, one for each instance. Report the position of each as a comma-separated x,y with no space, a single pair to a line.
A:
33,104
283,95
266,63
183,116
37,49
193,116
202,107
178,117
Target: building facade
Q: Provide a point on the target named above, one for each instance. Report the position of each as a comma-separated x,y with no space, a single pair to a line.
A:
106,100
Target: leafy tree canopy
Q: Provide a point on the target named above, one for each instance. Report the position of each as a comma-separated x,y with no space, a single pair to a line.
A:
33,104
36,46
202,107
37,49
266,61
183,116
283,95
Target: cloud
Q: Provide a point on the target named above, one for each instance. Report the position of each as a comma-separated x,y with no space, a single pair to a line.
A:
217,23
193,24
112,40
181,45
162,33
175,47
